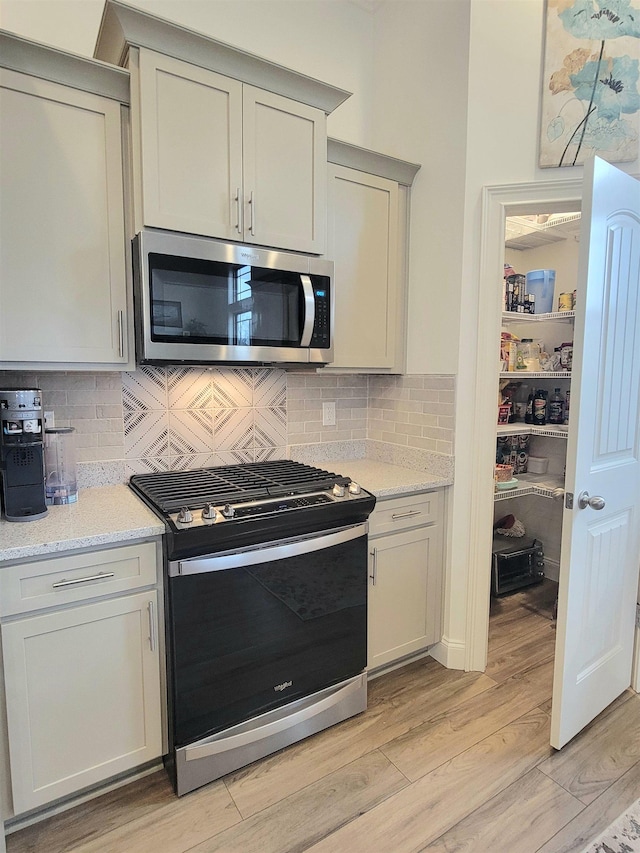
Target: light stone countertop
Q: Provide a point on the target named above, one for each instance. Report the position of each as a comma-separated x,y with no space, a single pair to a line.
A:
107,515
385,480
101,516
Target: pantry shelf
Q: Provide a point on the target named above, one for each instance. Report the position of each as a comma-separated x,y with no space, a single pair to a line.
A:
554,431
545,485
556,316
529,374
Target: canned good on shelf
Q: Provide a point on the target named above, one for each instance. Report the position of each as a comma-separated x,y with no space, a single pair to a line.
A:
565,302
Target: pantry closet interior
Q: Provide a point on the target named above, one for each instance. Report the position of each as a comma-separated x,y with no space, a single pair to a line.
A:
533,412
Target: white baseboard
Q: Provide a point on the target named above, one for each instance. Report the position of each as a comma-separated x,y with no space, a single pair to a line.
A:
552,569
635,670
449,653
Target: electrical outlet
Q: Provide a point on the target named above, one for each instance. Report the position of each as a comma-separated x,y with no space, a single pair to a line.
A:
49,420
328,414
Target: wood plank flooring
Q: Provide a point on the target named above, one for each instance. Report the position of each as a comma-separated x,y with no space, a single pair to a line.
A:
440,761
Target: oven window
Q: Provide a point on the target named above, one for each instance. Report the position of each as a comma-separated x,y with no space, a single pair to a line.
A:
210,302
246,640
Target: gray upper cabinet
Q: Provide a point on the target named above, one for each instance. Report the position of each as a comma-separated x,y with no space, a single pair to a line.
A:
225,144
63,270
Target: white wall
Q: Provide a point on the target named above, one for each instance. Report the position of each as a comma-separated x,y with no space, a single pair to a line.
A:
330,40
420,115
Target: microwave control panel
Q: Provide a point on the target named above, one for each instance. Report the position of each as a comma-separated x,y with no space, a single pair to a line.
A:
321,336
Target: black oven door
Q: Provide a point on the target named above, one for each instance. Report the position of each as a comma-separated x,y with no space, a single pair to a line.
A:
254,629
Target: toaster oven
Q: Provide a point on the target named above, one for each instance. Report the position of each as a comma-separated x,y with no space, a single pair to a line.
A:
516,566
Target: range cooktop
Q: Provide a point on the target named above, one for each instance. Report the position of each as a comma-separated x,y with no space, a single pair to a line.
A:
215,508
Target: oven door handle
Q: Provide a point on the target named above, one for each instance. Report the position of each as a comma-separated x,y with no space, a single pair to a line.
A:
265,554
218,744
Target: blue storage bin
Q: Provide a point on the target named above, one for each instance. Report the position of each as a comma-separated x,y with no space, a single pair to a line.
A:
541,283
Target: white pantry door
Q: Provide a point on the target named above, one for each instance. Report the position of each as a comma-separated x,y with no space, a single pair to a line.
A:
601,540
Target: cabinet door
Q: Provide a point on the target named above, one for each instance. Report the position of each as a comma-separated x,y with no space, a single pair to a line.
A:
404,594
83,696
62,248
190,123
363,242
285,171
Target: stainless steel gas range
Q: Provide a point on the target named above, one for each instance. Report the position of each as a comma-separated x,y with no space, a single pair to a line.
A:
266,603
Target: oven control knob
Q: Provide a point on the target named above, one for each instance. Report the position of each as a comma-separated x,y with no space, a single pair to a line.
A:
354,489
185,515
338,490
228,511
209,512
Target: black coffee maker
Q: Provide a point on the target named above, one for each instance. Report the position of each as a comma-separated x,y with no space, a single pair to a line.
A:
22,454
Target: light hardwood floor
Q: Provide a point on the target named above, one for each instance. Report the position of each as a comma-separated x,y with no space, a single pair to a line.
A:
440,761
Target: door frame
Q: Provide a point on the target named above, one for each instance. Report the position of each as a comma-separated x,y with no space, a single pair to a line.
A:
498,202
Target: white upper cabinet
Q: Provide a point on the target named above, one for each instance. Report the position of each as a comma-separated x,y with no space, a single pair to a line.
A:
285,172
224,159
364,246
368,204
63,292
190,122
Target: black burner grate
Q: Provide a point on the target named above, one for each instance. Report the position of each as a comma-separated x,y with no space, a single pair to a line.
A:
232,483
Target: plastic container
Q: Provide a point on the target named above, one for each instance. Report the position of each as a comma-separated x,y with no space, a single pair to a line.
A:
538,464
541,284
61,486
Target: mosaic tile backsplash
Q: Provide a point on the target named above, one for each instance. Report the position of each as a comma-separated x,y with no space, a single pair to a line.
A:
175,418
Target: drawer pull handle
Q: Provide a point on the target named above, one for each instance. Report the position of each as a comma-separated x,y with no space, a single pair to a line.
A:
374,565
406,514
99,577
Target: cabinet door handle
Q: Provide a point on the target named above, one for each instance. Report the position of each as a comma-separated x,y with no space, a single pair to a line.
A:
252,213
99,577
237,200
374,566
121,334
406,514
153,628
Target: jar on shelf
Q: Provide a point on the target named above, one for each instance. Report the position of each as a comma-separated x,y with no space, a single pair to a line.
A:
528,355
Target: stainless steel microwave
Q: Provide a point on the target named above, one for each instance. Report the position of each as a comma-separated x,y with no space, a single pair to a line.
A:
200,301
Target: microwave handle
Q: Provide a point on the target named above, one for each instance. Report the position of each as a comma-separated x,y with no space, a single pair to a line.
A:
309,311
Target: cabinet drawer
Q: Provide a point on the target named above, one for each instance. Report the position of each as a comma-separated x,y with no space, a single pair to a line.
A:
63,580
405,512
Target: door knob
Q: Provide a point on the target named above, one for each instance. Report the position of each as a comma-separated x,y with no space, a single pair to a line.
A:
596,502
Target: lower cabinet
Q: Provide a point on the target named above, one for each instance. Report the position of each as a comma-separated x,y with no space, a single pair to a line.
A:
405,578
82,687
